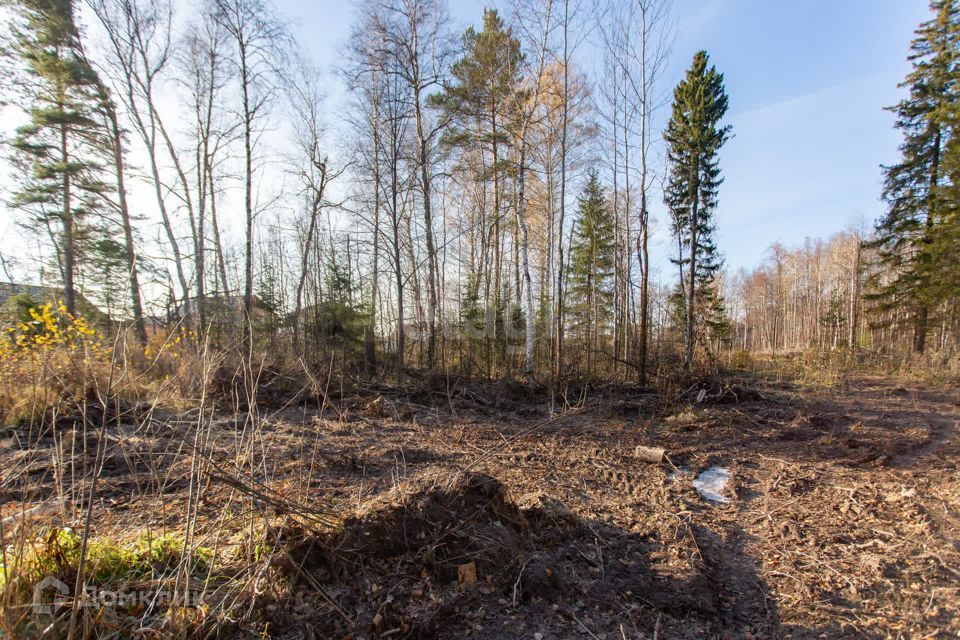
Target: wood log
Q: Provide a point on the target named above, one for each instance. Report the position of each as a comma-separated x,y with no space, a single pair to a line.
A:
653,455
467,573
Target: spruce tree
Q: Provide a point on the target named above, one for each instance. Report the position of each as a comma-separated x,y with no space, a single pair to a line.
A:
59,149
694,135
946,243
913,239
592,260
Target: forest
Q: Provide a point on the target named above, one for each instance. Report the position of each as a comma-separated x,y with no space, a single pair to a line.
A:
441,339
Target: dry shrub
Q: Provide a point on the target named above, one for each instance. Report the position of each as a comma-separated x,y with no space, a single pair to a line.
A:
53,360
56,362
176,365
741,359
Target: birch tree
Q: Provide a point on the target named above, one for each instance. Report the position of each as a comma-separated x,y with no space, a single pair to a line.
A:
139,53
258,47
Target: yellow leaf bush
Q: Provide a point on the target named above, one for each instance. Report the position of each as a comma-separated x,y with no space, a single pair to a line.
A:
46,358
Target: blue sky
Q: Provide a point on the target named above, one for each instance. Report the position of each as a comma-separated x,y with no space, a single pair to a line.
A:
808,82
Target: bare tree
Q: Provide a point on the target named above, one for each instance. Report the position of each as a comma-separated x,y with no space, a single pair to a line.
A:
364,77
259,48
139,35
313,167
115,139
635,36
569,45
414,35
385,103
205,76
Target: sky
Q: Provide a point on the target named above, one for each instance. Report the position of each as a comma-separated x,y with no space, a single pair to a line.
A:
807,83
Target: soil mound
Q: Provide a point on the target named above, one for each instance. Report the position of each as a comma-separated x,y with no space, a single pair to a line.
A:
443,522
445,554
414,559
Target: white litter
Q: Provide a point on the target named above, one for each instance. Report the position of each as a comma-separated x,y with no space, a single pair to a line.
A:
711,482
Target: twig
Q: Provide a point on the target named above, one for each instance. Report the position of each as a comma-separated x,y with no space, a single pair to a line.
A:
516,584
592,634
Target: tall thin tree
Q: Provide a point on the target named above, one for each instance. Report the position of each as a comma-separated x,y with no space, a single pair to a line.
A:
59,147
695,135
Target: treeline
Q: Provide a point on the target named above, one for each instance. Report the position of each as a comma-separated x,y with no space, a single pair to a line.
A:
895,290
483,207
829,295
811,297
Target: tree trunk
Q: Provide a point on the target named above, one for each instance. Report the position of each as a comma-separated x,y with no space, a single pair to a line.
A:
369,334
136,304
221,257
424,160
397,256
200,261
69,248
920,323
644,213
691,291
558,320
497,242
524,248
194,229
304,260
855,297
247,183
644,288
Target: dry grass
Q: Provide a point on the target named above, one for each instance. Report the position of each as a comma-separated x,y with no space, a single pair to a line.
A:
236,496
85,413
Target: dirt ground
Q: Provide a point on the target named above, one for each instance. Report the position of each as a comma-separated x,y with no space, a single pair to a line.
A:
842,516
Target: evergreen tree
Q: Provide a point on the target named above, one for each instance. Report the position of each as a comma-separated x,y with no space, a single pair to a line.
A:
107,261
710,309
484,81
59,150
913,240
340,320
592,261
946,242
480,103
695,136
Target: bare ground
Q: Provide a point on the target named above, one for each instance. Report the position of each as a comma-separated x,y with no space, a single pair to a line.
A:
843,517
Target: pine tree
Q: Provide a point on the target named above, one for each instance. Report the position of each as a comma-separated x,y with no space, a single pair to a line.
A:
695,136
60,149
484,81
480,103
910,239
592,259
